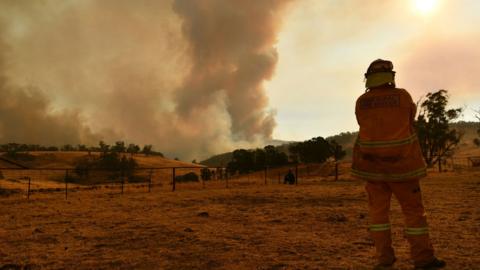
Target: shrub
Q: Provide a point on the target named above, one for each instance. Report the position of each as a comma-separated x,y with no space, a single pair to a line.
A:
189,177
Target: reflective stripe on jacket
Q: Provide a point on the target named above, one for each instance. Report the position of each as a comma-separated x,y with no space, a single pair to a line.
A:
387,148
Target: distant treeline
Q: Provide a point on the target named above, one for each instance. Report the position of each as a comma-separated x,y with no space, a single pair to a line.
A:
245,161
293,151
120,147
314,150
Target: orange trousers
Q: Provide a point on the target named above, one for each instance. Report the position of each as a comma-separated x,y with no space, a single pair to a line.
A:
410,198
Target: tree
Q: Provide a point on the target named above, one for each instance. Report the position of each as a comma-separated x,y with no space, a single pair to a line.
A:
147,149
259,159
314,150
127,167
82,147
245,161
34,147
119,147
52,148
133,149
12,149
206,174
117,164
104,148
273,157
68,147
242,162
436,138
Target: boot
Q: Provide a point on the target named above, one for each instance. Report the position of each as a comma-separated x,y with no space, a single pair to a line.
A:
385,266
432,265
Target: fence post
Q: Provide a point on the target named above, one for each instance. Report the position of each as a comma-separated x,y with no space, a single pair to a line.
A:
279,178
296,174
173,179
226,178
28,190
150,181
66,184
336,170
265,175
123,179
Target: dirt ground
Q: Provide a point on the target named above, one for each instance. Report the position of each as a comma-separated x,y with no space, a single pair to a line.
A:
319,224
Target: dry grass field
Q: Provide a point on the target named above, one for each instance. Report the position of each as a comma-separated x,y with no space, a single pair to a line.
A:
319,224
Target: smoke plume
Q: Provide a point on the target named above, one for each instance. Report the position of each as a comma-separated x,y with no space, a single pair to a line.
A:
231,43
185,76
26,116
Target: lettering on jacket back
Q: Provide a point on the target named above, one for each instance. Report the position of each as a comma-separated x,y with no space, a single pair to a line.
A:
380,102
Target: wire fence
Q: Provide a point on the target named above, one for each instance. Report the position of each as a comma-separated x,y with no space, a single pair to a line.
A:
459,163
65,181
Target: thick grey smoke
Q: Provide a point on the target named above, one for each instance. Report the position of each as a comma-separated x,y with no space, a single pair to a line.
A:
26,116
185,76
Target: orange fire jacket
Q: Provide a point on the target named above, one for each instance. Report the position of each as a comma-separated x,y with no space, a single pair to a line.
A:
387,148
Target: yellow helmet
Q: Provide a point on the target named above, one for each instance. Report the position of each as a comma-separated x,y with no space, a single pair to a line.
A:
380,73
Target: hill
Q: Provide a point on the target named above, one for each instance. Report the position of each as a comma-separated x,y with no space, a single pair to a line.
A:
347,140
69,159
220,160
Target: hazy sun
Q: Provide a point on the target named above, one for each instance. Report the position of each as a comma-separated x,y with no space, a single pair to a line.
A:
424,6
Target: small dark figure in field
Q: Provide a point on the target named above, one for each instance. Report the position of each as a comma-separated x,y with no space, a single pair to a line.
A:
289,178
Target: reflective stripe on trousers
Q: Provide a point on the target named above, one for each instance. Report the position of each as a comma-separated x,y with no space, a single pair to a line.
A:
416,231
409,196
391,177
379,227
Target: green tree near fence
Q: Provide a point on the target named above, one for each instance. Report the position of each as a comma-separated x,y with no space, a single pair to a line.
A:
206,174
12,149
245,161
104,148
273,157
119,147
436,138
315,150
133,149
117,163
147,149
242,162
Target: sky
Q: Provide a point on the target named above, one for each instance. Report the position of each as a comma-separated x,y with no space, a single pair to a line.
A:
325,48
196,78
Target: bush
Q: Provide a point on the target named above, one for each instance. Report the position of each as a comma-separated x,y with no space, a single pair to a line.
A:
206,174
189,177
114,164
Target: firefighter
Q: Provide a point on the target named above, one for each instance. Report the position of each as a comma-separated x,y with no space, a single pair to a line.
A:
388,156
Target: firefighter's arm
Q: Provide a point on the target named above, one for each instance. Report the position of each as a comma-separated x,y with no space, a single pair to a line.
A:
413,112
413,108
356,110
